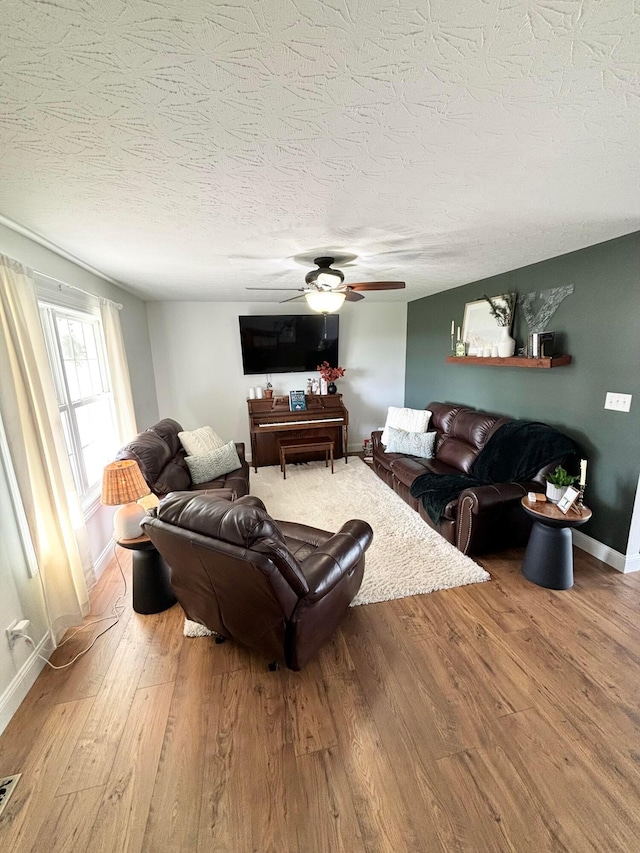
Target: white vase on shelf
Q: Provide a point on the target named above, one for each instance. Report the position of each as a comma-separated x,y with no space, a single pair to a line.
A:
506,344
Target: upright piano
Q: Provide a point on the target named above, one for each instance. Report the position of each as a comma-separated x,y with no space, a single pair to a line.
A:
325,415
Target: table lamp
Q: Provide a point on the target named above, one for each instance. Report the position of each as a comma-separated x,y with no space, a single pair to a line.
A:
122,485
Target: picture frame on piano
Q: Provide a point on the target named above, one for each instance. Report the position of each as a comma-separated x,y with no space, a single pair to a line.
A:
297,401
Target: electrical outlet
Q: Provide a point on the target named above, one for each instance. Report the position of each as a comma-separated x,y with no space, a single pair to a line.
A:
15,630
10,631
617,402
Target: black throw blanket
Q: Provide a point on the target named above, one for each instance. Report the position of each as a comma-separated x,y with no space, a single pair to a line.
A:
515,452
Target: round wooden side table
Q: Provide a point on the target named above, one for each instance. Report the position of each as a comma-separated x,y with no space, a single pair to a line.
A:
548,560
152,591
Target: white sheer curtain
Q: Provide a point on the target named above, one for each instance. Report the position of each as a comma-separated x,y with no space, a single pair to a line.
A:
36,443
119,370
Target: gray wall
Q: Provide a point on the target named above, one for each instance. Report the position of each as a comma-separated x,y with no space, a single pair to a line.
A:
598,325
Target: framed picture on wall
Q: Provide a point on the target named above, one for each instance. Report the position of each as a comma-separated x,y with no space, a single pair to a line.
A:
480,328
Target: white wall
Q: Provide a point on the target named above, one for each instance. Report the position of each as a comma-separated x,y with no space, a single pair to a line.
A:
198,364
21,598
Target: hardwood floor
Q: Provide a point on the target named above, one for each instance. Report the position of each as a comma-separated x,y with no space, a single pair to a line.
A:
494,717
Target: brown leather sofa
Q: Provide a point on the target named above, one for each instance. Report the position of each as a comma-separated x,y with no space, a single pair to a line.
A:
161,458
280,588
482,518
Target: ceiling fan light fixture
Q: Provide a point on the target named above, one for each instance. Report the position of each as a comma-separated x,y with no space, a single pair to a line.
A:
332,278
324,301
325,275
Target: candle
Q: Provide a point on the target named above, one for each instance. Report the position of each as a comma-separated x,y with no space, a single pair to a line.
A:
453,327
583,472
459,338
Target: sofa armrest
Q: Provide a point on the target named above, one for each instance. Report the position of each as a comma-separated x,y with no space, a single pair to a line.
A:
240,450
483,498
338,556
376,441
478,502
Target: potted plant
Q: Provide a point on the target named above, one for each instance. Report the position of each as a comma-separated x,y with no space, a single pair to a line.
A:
268,391
558,482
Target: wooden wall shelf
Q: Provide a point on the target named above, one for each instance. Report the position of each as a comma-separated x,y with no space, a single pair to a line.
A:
515,361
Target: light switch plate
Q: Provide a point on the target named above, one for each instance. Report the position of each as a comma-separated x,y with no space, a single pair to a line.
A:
617,402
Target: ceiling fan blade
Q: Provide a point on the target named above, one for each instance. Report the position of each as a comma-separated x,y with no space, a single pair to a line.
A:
275,288
291,298
378,285
352,296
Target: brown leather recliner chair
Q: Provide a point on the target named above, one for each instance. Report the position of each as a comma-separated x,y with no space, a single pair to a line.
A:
280,588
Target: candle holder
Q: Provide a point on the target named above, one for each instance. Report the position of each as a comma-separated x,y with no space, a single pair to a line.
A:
580,498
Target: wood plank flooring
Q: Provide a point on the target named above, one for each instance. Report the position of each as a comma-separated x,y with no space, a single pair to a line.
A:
493,717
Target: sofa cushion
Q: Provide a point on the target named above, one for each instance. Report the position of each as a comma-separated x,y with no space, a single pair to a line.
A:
197,442
152,454
469,432
407,468
214,464
442,416
167,429
420,444
410,420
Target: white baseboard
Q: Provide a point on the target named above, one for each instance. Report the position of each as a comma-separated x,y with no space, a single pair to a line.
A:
23,680
620,562
103,560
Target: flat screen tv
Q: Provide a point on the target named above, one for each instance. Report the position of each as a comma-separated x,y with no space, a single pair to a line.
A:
289,343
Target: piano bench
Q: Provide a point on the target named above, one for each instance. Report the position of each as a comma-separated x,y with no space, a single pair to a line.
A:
303,445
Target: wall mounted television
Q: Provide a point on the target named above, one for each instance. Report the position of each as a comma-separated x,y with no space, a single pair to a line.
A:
288,343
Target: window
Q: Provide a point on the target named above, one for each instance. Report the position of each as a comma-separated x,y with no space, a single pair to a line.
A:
75,346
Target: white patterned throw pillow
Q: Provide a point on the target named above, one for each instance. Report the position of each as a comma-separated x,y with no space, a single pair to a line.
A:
412,443
199,441
409,420
215,463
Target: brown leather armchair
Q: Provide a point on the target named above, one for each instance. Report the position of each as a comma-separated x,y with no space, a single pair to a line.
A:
279,587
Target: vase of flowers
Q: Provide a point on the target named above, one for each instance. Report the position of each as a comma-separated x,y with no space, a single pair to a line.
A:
330,374
502,312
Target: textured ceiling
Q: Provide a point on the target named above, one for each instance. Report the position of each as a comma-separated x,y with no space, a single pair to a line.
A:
189,149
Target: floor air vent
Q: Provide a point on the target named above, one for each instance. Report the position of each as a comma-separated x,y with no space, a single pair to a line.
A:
7,787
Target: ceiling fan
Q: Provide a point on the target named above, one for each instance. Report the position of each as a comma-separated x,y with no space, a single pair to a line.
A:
325,290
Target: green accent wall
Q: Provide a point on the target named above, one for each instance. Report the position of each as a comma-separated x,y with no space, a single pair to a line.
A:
598,325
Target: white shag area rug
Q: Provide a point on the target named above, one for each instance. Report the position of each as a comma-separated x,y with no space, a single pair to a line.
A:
406,556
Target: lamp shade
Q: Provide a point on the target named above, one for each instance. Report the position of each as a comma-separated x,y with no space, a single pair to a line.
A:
122,482
122,485
324,301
